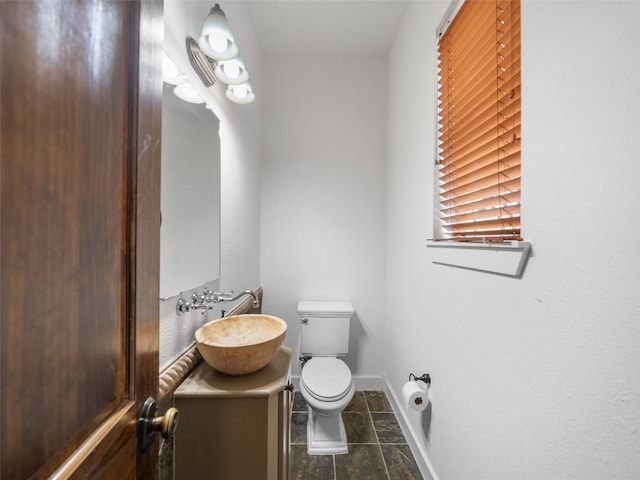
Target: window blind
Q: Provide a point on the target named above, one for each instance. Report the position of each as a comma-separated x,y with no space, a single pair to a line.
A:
478,162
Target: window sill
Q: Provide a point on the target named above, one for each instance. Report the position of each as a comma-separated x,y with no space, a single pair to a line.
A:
508,259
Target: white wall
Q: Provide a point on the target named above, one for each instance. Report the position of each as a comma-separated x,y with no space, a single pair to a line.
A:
323,200
547,384
240,151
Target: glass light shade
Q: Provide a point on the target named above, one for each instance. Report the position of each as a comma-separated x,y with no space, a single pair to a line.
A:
186,92
217,40
170,73
232,72
240,93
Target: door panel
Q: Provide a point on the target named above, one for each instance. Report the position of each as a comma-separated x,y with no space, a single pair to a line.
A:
79,212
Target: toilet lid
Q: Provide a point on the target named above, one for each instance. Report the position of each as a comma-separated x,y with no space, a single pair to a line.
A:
326,377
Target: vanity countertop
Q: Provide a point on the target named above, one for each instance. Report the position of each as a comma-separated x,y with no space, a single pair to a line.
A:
204,381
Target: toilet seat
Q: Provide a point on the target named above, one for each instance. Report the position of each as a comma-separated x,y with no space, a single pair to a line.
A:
326,378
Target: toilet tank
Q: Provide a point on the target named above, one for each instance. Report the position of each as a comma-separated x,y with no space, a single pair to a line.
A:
324,328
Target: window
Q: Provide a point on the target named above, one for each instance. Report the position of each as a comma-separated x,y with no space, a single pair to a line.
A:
478,158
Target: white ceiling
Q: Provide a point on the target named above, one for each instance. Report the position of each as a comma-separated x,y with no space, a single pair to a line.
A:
333,27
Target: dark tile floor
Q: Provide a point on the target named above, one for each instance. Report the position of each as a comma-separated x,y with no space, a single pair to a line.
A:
377,447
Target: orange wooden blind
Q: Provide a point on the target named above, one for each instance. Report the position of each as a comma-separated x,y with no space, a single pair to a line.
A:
479,122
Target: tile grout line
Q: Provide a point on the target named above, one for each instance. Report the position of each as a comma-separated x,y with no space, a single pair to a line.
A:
373,425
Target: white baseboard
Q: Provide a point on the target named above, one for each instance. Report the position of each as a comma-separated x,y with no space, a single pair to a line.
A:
420,455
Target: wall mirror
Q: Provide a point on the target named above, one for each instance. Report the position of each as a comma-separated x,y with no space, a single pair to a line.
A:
190,195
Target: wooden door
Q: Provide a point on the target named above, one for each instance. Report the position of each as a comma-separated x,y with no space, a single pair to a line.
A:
80,106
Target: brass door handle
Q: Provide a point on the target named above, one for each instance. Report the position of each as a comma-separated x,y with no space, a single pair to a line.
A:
149,423
166,424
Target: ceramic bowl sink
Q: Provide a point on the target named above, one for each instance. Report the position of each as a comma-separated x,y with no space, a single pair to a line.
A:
240,344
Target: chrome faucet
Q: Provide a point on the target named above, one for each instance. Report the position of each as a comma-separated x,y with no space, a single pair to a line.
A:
204,301
228,297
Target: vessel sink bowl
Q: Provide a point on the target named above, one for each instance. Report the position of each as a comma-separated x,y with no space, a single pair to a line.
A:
240,344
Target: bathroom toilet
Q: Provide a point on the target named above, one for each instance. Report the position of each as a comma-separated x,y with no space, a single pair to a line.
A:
325,381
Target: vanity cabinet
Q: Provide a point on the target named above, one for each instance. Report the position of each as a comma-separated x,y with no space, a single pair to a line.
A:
234,427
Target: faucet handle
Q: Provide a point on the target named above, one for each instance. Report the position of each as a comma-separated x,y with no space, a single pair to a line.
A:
183,306
208,295
198,298
222,296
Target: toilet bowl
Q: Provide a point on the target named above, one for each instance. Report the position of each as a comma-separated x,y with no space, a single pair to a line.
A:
327,387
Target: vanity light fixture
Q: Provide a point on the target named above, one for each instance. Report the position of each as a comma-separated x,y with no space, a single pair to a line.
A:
171,74
186,92
232,72
241,93
217,40
217,43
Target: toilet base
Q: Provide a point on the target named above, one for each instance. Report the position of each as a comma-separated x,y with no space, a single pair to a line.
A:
326,434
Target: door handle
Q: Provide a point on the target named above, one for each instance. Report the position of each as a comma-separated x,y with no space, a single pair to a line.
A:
149,423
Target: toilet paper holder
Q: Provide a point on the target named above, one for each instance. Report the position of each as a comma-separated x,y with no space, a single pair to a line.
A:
426,378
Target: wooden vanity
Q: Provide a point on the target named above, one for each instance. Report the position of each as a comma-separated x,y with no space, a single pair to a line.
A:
234,427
